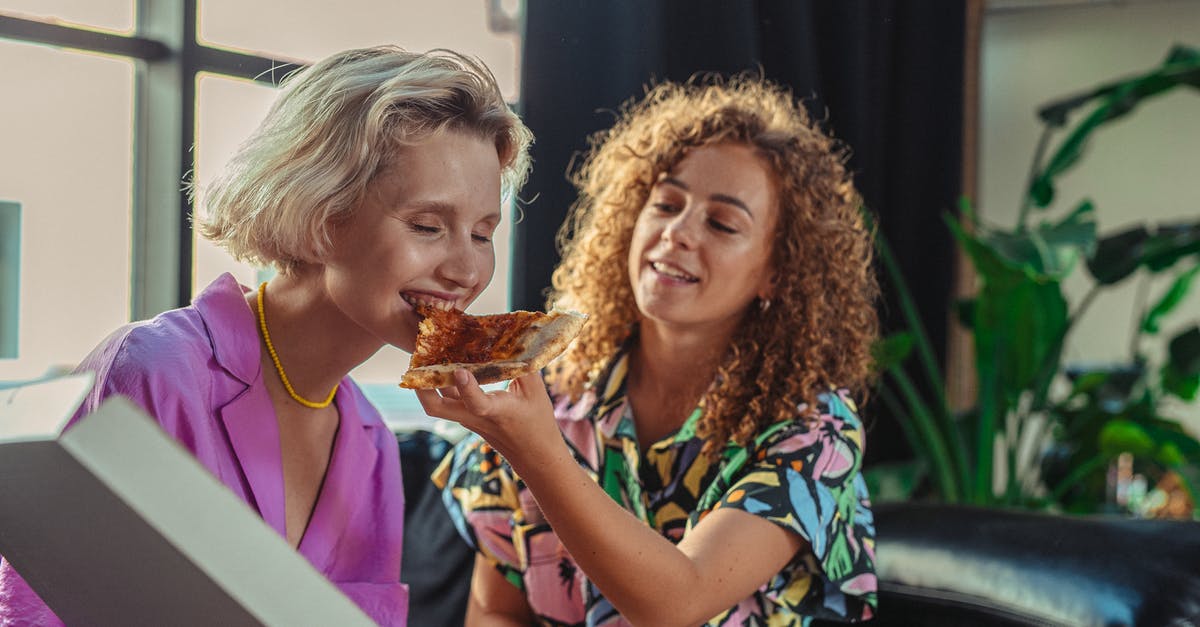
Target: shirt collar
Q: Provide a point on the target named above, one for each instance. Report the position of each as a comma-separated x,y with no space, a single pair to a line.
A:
232,327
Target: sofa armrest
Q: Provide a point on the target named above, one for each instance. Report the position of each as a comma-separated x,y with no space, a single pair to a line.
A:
956,565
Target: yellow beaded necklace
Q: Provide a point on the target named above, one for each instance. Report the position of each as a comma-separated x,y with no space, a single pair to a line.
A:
262,323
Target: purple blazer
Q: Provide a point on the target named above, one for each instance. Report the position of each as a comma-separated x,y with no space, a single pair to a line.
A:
197,371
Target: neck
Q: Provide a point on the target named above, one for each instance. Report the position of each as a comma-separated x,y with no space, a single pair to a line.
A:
669,374
317,346
672,356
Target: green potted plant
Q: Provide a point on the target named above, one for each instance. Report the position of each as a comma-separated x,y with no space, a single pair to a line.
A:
1055,446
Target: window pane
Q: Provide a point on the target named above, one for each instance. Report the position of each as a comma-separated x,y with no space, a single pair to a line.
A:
227,112
312,30
65,120
115,15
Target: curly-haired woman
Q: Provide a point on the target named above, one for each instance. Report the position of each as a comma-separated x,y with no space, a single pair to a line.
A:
710,472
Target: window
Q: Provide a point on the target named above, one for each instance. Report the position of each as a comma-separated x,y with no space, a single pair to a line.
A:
312,30
66,161
95,103
112,15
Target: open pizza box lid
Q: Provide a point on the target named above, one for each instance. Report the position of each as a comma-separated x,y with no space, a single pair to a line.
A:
114,523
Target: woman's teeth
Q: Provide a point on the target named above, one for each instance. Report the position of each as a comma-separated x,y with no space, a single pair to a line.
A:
672,272
428,301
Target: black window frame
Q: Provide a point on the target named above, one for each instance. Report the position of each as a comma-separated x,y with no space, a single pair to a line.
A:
168,57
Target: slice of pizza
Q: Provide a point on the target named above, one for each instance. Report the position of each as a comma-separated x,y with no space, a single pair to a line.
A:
494,348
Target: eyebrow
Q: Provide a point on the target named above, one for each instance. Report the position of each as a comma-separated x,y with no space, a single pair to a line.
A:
725,198
437,206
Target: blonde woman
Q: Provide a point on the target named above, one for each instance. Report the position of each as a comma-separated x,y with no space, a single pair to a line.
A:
374,182
696,457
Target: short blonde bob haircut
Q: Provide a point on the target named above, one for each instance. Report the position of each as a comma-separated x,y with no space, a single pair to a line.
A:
816,332
332,130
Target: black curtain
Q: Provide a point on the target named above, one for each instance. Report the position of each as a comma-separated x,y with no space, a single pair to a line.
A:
886,75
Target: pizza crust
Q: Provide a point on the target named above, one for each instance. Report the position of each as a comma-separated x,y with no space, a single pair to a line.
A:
544,340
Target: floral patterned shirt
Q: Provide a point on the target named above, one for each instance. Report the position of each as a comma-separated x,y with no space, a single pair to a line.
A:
799,475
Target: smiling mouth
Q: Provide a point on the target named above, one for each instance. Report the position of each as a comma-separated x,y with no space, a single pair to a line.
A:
670,271
427,300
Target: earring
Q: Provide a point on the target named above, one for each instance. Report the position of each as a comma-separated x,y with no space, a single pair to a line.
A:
764,304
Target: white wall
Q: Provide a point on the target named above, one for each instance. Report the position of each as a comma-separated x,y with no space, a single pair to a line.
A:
1143,168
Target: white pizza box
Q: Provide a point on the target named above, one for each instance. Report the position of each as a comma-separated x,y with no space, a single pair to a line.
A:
115,523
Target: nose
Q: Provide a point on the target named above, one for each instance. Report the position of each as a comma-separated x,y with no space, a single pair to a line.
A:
680,230
459,265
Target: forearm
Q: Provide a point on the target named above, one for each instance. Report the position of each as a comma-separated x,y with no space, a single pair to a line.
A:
649,580
480,618
494,601
646,577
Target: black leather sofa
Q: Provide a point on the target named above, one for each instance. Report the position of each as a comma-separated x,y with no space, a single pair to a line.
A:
938,565
945,565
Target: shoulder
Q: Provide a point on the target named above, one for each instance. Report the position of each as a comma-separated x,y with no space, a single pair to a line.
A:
824,442
151,348
155,363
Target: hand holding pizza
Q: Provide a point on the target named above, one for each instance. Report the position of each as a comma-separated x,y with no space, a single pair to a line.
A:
456,351
515,421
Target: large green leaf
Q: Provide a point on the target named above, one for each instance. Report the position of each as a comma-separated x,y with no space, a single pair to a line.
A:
1162,441
1186,387
1184,351
1181,373
1108,385
1170,243
1126,436
1171,432
891,350
1182,67
1051,248
1174,295
1056,113
1118,256
1020,317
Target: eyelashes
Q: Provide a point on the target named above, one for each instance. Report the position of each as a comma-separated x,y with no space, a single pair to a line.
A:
670,209
431,230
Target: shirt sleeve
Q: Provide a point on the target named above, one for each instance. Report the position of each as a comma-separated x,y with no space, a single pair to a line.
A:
480,493
498,517
805,477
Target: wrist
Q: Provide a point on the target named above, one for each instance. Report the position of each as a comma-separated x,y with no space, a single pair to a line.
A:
533,460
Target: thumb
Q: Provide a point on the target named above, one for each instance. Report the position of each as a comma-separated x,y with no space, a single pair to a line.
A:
531,387
474,399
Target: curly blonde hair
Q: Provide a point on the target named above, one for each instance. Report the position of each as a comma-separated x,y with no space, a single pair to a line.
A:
818,330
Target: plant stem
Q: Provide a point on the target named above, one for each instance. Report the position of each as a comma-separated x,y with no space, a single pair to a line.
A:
1012,489
1081,471
896,407
943,466
991,406
1050,364
1038,155
925,352
1139,315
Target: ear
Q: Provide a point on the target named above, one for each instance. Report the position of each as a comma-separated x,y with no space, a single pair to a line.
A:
766,286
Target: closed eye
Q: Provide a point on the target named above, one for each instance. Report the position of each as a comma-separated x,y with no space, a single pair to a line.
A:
481,239
425,228
721,226
664,207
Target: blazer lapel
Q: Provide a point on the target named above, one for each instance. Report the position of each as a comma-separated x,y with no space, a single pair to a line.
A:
254,434
348,476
